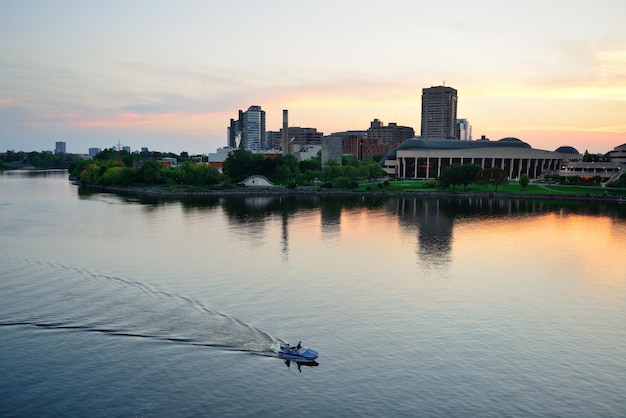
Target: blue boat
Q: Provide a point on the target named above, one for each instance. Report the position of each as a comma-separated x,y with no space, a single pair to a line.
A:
298,353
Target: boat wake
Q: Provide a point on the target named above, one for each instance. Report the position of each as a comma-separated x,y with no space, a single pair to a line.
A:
49,295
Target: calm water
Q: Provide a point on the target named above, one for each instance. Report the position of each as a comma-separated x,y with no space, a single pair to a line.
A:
118,306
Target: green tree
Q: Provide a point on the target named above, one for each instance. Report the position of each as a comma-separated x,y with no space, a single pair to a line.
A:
350,171
524,180
331,170
495,176
341,182
151,172
237,165
468,175
590,157
452,175
313,163
286,168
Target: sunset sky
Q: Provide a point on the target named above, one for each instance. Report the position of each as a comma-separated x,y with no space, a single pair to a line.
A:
169,75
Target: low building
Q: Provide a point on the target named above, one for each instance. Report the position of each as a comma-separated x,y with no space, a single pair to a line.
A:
217,158
421,158
618,155
586,170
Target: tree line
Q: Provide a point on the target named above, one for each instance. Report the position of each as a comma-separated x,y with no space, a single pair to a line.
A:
41,160
464,174
112,168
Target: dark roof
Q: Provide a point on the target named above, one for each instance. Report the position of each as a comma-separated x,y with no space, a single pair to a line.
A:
423,143
567,150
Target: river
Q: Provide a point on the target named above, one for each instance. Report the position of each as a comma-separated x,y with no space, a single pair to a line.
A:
130,306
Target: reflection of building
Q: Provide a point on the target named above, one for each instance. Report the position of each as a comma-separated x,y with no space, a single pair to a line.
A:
434,226
427,158
438,112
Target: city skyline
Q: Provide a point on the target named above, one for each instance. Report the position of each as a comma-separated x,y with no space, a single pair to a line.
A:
169,76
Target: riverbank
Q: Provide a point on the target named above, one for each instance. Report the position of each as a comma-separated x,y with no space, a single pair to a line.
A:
316,191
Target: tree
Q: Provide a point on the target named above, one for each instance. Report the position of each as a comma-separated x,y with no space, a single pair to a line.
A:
150,172
237,165
469,174
590,157
286,167
331,170
456,174
524,180
495,176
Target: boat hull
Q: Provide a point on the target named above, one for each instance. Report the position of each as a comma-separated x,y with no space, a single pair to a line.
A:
303,355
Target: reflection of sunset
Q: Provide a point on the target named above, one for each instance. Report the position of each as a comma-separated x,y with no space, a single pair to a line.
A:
525,240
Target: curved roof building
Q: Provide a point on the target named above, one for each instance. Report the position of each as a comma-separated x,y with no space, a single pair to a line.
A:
425,158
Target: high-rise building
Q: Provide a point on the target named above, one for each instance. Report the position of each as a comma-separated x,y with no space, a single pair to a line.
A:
249,130
59,147
438,112
463,130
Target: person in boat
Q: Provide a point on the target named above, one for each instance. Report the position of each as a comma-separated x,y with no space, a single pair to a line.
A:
299,346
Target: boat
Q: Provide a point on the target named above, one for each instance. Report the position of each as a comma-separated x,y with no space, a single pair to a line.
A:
299,353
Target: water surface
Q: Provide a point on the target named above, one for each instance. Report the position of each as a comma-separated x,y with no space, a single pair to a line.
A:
117,306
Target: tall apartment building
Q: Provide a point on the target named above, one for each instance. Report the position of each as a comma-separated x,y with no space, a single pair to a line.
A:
249,130
59,147
438,112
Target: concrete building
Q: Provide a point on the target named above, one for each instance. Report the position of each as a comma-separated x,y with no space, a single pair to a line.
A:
296,136
59,147
217,158
439,106
618,155
331,149
587,170
390,134
94,151
378,140
421,158
305,151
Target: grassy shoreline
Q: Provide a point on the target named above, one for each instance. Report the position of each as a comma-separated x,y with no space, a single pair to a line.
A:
512,190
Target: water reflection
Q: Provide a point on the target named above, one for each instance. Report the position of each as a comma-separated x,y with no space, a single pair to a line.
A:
432,219
300,364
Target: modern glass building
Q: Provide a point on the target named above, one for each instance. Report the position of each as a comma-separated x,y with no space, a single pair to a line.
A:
249,130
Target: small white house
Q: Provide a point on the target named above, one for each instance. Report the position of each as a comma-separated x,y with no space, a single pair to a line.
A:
257,181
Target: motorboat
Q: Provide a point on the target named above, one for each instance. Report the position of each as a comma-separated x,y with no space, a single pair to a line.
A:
299,353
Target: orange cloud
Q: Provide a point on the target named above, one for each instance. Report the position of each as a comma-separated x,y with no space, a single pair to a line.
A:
130,118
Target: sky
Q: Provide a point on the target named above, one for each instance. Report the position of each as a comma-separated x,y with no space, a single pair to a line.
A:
169,75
